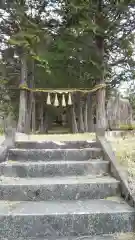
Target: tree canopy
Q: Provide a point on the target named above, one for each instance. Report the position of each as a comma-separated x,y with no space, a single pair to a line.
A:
71,44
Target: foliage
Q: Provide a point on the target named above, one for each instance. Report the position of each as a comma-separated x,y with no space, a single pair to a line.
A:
66,39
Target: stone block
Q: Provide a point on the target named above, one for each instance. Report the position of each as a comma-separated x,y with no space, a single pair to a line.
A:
53,168
57,188
65,219
54,154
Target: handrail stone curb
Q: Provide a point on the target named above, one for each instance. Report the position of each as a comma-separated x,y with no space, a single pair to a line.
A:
7,143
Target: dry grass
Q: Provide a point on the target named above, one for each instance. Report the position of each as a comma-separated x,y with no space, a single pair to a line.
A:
127,236
124,149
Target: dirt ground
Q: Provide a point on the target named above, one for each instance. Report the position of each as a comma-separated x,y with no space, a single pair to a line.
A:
56,137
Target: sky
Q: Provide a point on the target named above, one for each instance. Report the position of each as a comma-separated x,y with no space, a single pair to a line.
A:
123,88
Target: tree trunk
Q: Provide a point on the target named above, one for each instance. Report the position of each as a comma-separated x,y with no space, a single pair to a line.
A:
33,114
80,119
23,99
86,115
42,118
100,94
33,117
29,112
100,110
90,114
72,115
117,112
31,99
74,123
46,122
69,118
130,112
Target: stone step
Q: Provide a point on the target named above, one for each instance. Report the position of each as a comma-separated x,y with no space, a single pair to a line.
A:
124,236
54,154
53,168
56,144
41,220
57,188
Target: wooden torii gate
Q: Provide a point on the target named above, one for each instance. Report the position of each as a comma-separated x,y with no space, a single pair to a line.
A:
66,96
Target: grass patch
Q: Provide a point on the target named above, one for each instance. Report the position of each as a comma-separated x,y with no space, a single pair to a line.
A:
124,149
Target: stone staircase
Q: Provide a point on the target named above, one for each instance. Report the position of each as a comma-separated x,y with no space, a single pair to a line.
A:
62,191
